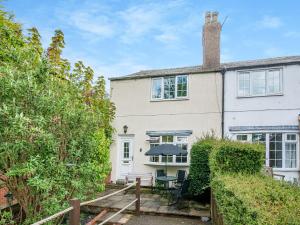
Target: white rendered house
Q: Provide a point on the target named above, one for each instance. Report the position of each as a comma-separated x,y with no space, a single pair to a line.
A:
254,101
167,106
262,105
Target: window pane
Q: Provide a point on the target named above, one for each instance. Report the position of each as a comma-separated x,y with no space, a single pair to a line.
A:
275,153
181,86
242,137
154,158
260,138
258,82
181,159
291,137
244,84
290,155
169,87
156,88
273,82
167,139
168,158
126,150
182,139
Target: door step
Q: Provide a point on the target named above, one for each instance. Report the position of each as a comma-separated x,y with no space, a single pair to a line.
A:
120,181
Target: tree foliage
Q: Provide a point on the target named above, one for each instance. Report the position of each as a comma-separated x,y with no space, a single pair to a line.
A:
55,124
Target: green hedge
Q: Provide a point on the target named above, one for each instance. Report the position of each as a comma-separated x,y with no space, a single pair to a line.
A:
256,200
232,156
199,168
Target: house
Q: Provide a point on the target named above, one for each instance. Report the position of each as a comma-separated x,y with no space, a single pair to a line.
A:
174,106
262,105
178,105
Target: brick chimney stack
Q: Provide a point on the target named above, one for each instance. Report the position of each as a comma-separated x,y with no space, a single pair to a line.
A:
211,41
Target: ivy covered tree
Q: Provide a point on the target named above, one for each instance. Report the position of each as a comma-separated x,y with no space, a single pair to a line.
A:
55,124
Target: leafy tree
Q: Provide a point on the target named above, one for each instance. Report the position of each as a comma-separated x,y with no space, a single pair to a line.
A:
34,39
60,67
54,143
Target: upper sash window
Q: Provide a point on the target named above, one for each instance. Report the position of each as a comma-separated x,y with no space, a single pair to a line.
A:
171,87
259,83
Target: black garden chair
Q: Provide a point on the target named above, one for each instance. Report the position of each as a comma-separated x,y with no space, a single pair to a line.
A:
159,185
177,193
181,176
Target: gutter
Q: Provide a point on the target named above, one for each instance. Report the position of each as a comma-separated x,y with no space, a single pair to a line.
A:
223,71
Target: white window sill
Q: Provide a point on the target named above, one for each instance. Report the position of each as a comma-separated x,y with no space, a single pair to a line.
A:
167,100
259,96
286,169
165,164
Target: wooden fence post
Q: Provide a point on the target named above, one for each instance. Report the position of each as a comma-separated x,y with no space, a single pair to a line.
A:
75,213
138,196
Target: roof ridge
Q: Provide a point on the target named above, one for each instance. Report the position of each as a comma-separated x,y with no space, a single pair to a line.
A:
201,69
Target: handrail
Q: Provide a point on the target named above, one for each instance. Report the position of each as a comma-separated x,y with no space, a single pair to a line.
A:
75,208
53,216
117,213
107,196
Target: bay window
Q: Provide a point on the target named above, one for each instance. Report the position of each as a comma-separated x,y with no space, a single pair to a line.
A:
180,141
282,149
170,87
259,82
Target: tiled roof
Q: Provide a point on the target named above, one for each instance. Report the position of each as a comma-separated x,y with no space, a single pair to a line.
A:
201,69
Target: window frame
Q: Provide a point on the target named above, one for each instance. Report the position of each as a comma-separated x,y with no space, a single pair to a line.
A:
162,98
183,159
266,72
267,144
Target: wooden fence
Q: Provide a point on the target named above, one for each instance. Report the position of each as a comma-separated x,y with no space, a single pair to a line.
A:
216,217
75,204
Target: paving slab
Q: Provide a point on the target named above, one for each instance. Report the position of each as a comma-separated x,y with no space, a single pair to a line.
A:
164,220
150,203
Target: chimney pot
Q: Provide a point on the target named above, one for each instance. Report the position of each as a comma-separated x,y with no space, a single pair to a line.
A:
215,17
207,17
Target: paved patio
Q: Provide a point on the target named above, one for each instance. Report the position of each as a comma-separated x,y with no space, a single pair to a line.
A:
150,204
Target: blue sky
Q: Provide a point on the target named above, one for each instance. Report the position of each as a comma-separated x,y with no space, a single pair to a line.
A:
118,37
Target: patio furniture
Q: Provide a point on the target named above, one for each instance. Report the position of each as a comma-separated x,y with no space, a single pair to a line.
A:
181,175
159,185
163,183
177,193
166,150
166,180
269,171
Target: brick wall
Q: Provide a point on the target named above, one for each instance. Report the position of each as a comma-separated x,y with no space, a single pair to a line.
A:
3,200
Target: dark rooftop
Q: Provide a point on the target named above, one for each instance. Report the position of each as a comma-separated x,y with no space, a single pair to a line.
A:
200,69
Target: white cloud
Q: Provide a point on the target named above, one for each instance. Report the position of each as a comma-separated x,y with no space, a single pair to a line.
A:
166,37
140,20
271,22
99,25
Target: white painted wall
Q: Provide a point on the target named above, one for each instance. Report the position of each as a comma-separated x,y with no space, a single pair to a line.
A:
263,111
201,112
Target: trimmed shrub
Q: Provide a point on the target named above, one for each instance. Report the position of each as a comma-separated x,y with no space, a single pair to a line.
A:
199,169
256,200
232,156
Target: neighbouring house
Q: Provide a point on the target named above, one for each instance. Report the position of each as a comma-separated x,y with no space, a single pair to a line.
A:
262,105
250,100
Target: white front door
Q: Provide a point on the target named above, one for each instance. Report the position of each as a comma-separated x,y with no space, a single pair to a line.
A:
125,156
